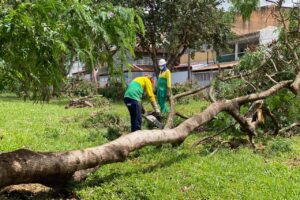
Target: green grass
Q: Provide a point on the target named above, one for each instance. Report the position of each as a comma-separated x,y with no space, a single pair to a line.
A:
154,172
44,127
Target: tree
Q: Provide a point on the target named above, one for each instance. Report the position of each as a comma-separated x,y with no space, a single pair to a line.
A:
178,25
39,40
245,7
55,169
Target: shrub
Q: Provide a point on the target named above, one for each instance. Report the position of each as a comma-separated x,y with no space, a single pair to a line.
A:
111,125
101,120
79,87
112,133
100,101
280,146
114,91
184,87
96,135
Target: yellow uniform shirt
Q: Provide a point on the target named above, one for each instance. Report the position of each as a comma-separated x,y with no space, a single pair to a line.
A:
167,75
146,86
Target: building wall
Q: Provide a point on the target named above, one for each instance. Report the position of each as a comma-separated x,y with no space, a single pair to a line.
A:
259,19
200,57
268,35
179,77
76,67
204,78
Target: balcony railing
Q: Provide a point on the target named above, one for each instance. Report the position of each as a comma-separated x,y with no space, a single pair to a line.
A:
229,57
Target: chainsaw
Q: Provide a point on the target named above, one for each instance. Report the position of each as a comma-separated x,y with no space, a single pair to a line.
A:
154,119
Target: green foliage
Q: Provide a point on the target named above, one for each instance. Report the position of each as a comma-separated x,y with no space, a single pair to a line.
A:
112,133
178,25
108,125
150,172
97,135
113,91
79,87
254,69
7,82
279,146
101,119
286,107
101,102
40,39
183,87
245,7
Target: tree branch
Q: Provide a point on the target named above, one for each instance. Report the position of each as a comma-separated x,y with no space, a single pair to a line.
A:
52,169
285,129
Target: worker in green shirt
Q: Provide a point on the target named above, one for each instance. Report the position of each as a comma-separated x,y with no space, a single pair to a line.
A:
163,85
133,96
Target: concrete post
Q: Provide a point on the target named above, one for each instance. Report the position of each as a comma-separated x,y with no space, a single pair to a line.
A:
236,51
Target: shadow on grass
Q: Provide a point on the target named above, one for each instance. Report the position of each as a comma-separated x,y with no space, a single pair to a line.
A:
98,181
9,98
34,191
61,101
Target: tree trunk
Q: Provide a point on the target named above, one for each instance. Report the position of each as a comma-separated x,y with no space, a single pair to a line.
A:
153,53
56,169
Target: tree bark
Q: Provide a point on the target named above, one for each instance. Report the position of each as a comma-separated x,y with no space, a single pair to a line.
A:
285,129
172,99
56,169
296,84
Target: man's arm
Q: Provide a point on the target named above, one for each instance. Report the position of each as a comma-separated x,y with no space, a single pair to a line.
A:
169,83
149,92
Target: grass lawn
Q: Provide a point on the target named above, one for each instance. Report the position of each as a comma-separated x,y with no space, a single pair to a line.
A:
152,172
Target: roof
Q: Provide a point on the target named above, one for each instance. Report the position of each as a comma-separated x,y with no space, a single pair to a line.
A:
80,72
135,68
224,65
141,68
141,50
180,67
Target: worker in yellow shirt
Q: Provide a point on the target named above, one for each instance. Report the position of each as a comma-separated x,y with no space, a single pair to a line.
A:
163,85
133,96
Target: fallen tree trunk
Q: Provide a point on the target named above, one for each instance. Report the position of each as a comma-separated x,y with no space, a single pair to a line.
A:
173,99
56,169
285,129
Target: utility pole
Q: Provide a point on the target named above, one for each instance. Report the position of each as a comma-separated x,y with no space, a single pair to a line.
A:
189,65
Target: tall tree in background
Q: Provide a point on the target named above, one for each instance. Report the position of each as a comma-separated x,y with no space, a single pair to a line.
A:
39,40
181,24
268,74
244,7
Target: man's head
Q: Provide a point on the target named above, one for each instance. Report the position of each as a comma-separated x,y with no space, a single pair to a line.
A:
162,63
151,77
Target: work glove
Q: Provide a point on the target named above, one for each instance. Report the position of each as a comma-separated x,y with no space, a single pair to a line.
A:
155,107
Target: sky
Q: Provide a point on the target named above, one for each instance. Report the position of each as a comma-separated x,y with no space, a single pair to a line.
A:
262,3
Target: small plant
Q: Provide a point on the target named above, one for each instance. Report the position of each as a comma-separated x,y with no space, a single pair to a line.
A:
114,91
112,133
96,135
280,146
52,133
79,88
100,101
101,119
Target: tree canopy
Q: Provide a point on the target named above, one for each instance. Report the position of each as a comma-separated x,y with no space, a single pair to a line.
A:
39,40
245,7
181,24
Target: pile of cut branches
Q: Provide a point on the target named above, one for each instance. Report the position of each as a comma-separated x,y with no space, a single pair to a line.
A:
88,102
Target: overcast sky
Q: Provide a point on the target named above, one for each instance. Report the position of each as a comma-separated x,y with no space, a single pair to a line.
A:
263,3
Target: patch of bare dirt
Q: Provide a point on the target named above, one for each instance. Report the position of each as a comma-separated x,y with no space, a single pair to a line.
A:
32,191
294,162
